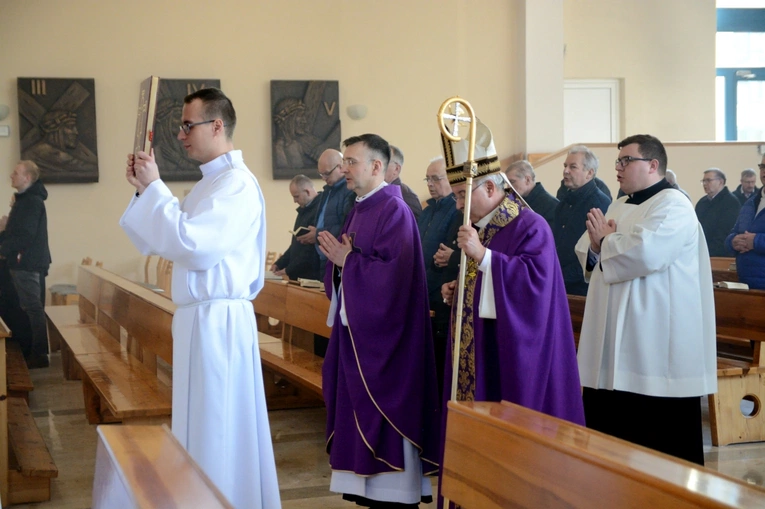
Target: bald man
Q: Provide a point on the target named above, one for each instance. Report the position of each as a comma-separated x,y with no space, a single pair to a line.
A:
336,201
301,260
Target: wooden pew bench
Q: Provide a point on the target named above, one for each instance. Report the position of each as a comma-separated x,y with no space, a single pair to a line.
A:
501,455
18,381
146,467
117,346
740,319
291,371
26,466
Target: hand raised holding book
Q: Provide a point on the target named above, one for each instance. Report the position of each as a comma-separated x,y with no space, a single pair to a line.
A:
142,170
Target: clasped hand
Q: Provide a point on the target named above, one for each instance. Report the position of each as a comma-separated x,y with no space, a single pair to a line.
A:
467,240
598,227
334,250
743,242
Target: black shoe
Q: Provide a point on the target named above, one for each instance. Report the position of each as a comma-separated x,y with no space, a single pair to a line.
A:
38,361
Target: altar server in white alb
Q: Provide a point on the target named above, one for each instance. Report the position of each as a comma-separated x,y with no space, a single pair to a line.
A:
647,350
216,240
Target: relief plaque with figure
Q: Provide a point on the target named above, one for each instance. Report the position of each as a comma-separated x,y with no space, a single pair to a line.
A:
305,121
57,128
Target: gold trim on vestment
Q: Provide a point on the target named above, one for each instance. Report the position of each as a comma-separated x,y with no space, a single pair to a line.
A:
466,377
366,387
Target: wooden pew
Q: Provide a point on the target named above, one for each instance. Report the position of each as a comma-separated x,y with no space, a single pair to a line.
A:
291,371
121,347
501,455
739,314
723,269
18,379
26,466
740,319
146,467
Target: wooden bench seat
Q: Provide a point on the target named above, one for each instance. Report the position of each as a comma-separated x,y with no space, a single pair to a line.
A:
501,455
18,381
30,465
297,365
146,467
291,371
118,340
118,387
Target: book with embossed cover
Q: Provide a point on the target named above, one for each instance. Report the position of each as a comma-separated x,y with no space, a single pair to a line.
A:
147,110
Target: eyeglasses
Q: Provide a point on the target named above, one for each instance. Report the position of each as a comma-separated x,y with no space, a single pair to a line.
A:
186,128
328,173
461,194
623,162
434,179
707,181
350,163
761,166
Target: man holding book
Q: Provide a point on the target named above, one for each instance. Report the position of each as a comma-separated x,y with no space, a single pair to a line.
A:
301,260
216,240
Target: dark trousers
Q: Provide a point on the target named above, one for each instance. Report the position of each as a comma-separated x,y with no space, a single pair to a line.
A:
668,425
30,287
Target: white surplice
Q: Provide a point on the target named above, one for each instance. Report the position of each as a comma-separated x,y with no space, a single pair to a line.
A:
216,240
649,320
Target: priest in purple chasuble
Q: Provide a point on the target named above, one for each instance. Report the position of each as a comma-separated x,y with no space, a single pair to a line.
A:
517,340
379,377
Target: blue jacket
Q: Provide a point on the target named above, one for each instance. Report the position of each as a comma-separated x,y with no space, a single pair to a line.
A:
433,225
750,265
568,227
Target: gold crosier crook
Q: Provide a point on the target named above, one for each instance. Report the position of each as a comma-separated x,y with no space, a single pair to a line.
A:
470,170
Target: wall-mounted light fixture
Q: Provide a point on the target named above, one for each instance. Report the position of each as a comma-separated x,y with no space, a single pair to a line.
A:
4,110
356,111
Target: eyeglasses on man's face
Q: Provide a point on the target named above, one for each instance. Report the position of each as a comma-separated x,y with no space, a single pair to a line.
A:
709,180
623,162
328,173
434,179
186,128
349,162
761,166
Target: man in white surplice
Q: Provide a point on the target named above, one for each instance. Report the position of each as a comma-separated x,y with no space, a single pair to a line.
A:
216,239
647,349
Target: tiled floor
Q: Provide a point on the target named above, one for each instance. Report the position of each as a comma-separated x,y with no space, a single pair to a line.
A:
298,442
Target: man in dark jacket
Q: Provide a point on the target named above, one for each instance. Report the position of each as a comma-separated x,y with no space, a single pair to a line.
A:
301,260
521,175
24,247
433,225
717,211
748,186
582,194
392,177
334,203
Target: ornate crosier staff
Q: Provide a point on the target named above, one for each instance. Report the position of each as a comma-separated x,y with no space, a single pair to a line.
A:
470,169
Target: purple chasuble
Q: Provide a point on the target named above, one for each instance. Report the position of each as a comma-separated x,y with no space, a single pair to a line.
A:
379,377
527,354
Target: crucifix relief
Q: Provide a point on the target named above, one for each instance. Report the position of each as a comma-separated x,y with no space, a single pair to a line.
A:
57,127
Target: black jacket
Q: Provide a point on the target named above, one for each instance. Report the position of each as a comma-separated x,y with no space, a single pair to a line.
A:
569,225
410,197
302,260
740,195
24,243
717,217
542,202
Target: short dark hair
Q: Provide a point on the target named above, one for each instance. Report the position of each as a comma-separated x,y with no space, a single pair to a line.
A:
373,142
649,147
216,105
